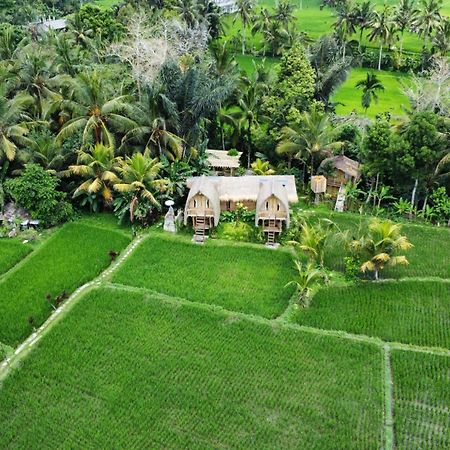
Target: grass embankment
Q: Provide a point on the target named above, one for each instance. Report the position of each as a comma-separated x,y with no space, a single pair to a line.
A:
11,252
237,277
124,370
72,256
421,400
412,312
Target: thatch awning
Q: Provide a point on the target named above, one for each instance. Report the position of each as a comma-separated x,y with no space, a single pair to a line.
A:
222,160
345,164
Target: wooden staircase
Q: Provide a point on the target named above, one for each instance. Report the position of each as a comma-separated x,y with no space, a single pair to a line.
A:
271,232
200,229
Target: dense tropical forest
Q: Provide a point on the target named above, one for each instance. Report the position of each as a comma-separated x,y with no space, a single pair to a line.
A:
116,110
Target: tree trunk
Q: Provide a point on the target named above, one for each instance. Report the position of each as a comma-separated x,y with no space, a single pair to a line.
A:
360,37
413,196
376,189
376,274
424,206
401,45
243,39
380,56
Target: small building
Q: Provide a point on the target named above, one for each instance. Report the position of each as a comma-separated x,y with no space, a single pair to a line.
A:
45,25
227,6
270,197
344,170
222,163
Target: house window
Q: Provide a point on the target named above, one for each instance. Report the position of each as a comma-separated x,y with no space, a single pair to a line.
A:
228,205
207,203
267,206
195,203
278,206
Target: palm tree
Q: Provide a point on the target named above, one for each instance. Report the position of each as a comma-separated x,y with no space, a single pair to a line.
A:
262,24
312,138
428,18
139,176
276,37
284,12
97,166
312,239
13,130
380,246
94,112
382,29
363,18
345,23
244,11
404,16
370,86
441,39
307,278
188,11
262,168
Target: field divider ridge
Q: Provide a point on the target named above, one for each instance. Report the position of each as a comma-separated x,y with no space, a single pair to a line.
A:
388,387
25,347
281,323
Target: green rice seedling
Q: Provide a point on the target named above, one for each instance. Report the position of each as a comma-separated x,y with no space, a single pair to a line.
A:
11,252
127,370
412,312
72,256
242,278
421,400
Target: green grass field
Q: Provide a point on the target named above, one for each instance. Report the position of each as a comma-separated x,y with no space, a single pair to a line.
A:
411,312
212,274
391,100
75,254
421,399
126,371
11,252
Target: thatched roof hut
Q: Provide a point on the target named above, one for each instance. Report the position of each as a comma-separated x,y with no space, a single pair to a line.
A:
206,187
221,162
273,187
344,164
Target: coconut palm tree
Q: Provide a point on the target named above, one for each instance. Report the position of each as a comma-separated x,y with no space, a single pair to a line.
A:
262,22
139,175
428,18
245,12
370,86
13,129
93,112
284,13
363,18
404,16
345,23
441,39
382,26
97,166
380,246
188,10
307,278
260,167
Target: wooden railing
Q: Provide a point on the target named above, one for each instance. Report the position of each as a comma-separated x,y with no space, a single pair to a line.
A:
206,212
279,215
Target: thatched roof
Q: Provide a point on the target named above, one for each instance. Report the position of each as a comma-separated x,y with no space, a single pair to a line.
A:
238,189
347,165
221,159
272,186
204,186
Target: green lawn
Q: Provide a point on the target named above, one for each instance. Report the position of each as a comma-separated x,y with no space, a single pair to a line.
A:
412,312
390,100
11,252
126,371
237,277
245,62
72,256
421,401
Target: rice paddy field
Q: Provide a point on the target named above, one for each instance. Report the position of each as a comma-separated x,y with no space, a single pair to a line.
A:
11,252
212,274
75,254
127,370
411,312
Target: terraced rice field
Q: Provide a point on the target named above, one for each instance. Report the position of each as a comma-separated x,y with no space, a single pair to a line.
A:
11,252
75,254
241,278
127,370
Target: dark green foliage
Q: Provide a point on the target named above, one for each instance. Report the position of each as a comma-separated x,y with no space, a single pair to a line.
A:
74,255
212,273
412,312
36,190
421,400
101,22
11,252
160,375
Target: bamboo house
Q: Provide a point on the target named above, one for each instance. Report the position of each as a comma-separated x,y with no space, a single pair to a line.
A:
270,197
344,170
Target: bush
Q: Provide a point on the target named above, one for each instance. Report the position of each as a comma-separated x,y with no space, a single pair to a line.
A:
238,231
36,191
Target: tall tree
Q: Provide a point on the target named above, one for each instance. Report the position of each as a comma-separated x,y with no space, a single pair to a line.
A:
363,18
370,87
404,16
428,18
382,26
245,13
284,12
345,23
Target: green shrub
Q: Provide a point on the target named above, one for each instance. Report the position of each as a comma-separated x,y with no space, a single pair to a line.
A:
235,231
36,191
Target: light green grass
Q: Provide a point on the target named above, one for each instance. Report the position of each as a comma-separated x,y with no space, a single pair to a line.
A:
11,252
237,277
246,62
391,100
72,256
126,371
411,312
421,401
